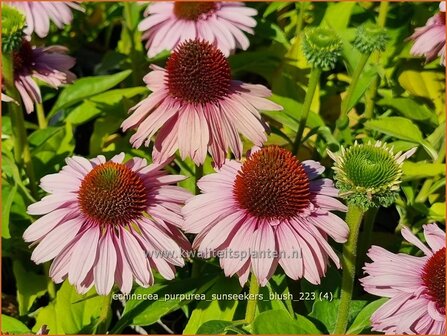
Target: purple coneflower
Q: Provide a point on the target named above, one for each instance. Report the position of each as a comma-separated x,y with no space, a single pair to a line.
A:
195,106
109,222
270,209
48,64
221,23
429,41
39,14
415,286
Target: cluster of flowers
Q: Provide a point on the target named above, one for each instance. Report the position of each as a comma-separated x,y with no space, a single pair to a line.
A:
104,220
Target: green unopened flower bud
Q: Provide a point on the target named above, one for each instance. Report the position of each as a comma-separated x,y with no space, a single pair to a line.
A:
370,38
321,47
13,23
369,175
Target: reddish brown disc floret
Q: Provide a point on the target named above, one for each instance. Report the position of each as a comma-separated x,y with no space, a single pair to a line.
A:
272,183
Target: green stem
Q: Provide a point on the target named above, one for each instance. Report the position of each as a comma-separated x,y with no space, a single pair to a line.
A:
293,54
371,93
104,315
314,79
252,300
366,236
51,288
133,50
353,218
22,154
42,121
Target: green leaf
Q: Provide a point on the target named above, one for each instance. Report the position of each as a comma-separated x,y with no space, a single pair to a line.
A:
397,127
71,312
362,321
41,136
212,309
86,87
337,15
8,194
166,303
214,327
101,103
437,212
420,170
410,109
12,326
363,84
326,312
427,84
279,322
30,286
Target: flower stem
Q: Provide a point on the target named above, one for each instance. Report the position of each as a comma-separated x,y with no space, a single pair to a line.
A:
22,154
252,300
51,288
353,219
314,79
371,93
41,116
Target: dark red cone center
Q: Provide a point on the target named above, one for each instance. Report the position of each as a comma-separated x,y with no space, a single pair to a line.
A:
272,183
433,277
112,194
198,72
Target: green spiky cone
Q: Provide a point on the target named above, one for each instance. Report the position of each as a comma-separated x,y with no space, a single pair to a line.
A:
321,47
13,23
370,38
369,175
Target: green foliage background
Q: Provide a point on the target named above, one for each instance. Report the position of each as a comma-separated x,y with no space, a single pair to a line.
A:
84,119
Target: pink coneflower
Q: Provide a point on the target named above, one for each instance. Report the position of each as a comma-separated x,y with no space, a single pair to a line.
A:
197,106
270,209
221,23
48,64
429,41
39,14
415,286
109,222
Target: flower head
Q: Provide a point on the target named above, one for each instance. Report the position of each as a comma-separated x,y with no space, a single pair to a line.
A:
267,210
429,41
321,47
13,23
370,38
369,175
48,64
415,286
39,14
195,106
109,222
223,24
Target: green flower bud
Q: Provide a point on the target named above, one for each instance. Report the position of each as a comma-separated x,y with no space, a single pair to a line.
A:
370,38
369,175
321,47
13,23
